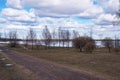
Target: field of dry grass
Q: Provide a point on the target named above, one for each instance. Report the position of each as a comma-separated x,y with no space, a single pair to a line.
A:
15,72
98,63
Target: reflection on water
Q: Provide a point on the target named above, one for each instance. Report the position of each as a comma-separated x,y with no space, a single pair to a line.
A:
56,43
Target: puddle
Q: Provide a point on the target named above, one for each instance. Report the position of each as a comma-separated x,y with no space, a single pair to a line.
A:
8,65
1,50
2,59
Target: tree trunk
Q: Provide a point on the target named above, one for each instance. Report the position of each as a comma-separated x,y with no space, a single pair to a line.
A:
80,49
109,49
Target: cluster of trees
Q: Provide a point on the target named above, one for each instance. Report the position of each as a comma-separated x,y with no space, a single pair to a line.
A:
48,38
88,44
64,37
111,44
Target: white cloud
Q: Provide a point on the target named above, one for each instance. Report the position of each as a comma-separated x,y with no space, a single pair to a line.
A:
43,12
15,27
2,20
55,23
60,8
111,6
22,16
106,31
58,4
105,19
14,4
92,12
12,12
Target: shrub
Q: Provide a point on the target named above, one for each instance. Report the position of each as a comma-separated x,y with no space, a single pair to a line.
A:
89,47
80,42
117,49
108,43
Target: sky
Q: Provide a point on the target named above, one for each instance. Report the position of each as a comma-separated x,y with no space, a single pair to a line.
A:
83,16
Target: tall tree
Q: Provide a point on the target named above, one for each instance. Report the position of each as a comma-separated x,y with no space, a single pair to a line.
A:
59,35
13,38
32,36
75,34
26,41
5,36
108,43
53,38
0,35
47,36
63,37
68,38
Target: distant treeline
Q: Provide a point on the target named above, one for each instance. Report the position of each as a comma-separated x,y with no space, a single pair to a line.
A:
64,37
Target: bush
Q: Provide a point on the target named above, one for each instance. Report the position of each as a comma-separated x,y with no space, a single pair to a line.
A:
108,43
117,49
89,47
81,42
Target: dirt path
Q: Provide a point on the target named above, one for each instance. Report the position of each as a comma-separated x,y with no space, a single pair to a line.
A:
47,70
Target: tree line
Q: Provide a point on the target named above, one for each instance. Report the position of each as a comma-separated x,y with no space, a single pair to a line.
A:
64,37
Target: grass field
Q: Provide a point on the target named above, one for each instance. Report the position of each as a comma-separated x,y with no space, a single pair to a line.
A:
15,72
98,63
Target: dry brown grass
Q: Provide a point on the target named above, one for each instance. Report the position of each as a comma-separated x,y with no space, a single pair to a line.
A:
8,73
98,63
15,72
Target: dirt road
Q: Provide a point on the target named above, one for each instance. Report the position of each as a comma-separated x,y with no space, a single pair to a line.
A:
47,70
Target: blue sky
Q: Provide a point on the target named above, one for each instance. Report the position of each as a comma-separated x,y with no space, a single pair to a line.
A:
2,4
79,15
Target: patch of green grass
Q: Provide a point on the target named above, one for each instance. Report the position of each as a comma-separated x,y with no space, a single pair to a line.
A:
98,62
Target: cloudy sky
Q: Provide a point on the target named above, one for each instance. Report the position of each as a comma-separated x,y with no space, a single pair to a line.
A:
83,16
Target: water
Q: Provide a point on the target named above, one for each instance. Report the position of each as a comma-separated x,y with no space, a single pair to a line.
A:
56,44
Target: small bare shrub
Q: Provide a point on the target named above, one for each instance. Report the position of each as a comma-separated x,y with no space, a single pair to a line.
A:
89,47
117,49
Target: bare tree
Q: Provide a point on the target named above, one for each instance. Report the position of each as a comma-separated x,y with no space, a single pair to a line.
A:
63,37
5,36
59,35
0,35
75,34
53,38
108,43
40,41
32,36
37,43
26,41
65,34
68,38
13,38
116,42
47,36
